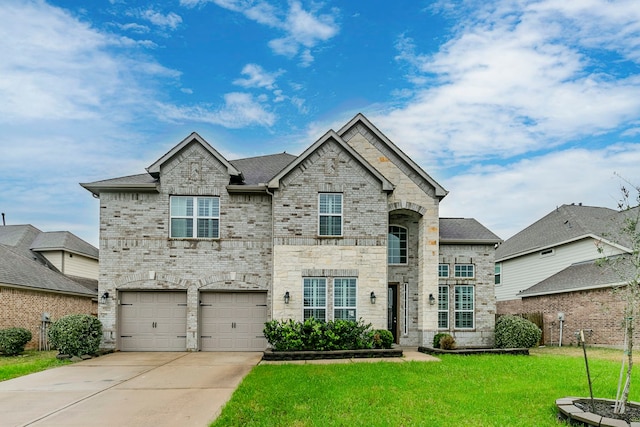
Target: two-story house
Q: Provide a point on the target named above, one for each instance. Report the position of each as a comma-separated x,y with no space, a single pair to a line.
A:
551,267
44,276
200,251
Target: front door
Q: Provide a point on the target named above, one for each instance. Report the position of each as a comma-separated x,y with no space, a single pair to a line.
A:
392,311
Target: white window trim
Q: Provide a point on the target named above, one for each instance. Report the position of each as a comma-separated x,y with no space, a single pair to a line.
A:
497,273
341,215
405,328
473,312
464,277
194,217
339,307
444,310
406,231
448,271
326,299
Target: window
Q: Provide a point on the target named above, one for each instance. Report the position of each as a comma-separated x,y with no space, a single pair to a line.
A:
498,274
464,307
443,270
315,298
443,307
344,299
397,245
195,217
464,271
330,214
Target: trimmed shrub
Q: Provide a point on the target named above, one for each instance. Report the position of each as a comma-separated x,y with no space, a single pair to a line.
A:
382,338
76,334
312,334
438,337
13,340
447,342
516,332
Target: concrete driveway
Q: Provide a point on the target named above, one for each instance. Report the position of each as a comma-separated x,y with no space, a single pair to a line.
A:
127,389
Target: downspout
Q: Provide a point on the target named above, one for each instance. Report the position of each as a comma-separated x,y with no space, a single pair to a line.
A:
273,248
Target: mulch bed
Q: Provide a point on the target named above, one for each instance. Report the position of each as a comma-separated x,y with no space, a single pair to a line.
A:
335,354
469,351
605,409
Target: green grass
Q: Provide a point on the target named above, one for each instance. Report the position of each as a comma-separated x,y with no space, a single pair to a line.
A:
483,390
27,363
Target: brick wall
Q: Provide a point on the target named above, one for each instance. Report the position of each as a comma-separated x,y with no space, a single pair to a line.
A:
23,309
599,310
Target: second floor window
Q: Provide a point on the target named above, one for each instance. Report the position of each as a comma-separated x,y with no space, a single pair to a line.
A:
443,270
463,271
498,274
397,245
330,214
195,217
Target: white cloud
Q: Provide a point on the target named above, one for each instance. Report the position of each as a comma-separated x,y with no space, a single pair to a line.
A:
509,198
239,110
302,29
170,20
519,77
257,77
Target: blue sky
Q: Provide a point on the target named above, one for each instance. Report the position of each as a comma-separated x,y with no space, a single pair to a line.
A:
515,107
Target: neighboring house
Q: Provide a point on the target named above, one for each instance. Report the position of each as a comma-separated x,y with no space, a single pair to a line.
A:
44,274
550,268
200,251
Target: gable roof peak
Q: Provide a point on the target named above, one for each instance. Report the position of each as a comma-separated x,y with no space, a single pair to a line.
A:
154,169
440,191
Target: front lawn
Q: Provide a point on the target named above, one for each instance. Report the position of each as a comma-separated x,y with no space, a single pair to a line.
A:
27,363
483,390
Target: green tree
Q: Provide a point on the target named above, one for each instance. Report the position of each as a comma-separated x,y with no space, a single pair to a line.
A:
627,267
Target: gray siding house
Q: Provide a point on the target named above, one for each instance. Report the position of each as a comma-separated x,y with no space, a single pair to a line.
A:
199,252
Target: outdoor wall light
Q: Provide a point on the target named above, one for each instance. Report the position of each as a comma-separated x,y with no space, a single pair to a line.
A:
432,300
373,297
104,297
286,297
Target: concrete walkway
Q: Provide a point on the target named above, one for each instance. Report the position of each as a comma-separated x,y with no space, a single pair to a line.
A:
138,389
127,389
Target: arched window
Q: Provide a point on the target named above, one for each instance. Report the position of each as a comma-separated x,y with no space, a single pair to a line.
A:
397,245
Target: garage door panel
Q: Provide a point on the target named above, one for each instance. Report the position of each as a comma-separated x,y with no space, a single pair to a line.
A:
233,321
153,321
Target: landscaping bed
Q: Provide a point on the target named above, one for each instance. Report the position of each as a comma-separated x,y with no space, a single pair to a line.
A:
271,355
577,410
468,351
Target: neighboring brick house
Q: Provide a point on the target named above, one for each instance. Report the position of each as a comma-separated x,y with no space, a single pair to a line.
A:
197,253
550,268
52,273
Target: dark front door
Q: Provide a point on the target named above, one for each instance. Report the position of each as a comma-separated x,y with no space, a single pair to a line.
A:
392,311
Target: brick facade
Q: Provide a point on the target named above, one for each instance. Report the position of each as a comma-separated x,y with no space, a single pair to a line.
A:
598,310
28,307
269,236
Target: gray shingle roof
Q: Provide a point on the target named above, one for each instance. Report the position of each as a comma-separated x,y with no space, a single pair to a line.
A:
21,266
565,223
259,170
465,230
19,270
581,276
63,240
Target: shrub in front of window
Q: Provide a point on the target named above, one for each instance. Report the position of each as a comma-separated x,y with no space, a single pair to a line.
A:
316,335
438,337
447,342
13,340
76,334
516,332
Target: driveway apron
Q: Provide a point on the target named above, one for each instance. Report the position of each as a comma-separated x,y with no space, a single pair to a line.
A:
127,389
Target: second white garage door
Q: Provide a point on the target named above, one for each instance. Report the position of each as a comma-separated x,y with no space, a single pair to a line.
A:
232,321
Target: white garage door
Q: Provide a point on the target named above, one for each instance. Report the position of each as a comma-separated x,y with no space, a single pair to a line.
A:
232,321
153,321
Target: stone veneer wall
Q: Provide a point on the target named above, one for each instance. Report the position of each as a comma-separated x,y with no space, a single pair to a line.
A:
413,193
360,252
136,252
22,308
482,257
598,310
